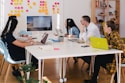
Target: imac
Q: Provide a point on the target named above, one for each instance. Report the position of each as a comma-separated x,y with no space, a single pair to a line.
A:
39,23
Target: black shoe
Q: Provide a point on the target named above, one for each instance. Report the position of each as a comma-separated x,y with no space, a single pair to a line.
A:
90,81
35,65
87,81
16,72
115,77
75,60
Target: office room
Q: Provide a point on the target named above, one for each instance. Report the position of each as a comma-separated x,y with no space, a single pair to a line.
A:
62,41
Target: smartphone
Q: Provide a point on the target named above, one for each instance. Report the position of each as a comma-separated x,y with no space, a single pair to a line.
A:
85,46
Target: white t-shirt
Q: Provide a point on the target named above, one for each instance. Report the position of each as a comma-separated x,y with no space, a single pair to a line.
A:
91,30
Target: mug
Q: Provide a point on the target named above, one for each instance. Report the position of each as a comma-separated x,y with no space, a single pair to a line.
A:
61,38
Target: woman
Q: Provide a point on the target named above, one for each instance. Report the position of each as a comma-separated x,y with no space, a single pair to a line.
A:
114,42
71,27
72,30
15,46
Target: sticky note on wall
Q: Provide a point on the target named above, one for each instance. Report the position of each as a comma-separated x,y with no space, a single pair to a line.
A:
43,7
56,7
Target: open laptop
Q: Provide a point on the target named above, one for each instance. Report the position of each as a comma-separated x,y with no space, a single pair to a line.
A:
44,38
100,43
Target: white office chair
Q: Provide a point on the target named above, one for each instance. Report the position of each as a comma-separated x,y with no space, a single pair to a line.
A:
2,61
8,59
1,65
123,72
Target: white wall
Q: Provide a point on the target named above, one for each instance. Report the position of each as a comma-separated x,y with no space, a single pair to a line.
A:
76,9
122,18
32,12
72,9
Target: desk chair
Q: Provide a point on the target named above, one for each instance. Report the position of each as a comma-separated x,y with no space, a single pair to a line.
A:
123,72
8,59
91,67
2,64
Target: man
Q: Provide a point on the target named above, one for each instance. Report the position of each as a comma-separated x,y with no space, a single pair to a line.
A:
88,29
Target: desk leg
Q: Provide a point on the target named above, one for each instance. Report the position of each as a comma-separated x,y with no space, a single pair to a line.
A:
118,66
39,70
119,74
60,70
64,69
28,61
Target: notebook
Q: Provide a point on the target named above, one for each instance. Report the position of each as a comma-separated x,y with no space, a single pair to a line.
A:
100,43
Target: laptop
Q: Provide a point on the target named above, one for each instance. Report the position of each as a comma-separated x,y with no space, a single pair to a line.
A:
44,38
100,43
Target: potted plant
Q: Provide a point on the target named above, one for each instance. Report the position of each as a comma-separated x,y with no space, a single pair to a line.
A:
24,70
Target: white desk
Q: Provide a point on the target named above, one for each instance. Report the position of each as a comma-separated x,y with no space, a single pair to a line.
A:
64,50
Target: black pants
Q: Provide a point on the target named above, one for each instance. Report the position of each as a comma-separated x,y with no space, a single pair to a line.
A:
87,59
101,60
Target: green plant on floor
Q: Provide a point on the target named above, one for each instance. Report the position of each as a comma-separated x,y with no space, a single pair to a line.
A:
24,70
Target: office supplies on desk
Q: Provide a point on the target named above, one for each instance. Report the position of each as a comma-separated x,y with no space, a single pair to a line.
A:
54,40
80,41
73,39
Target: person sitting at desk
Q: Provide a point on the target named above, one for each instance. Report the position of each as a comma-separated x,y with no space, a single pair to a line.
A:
115,42
88,29
24,36
72,30
15,47
71,27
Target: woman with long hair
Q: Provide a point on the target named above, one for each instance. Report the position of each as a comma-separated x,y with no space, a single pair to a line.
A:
71,28
15,46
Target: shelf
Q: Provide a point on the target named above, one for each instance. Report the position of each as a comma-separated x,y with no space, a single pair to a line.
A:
102,15
100,11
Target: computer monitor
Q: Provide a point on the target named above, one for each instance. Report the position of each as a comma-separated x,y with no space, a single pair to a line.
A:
39,23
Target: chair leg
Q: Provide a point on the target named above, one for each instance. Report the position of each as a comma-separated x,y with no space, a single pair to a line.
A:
82,66
68,59
7,73
92,62
123,74
2,64
90,69
105,71
112,78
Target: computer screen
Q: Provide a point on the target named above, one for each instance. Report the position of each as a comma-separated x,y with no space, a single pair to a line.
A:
39,23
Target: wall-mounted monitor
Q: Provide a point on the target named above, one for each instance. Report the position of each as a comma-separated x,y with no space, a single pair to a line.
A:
39,23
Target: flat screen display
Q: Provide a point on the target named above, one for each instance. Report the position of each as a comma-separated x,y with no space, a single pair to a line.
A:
39,23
